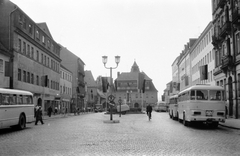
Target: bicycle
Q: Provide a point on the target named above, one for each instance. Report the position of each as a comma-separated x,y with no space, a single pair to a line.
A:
149,116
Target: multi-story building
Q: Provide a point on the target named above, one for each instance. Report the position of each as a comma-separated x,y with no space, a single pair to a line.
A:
4,63
175,77
184,65
91,90
202,58
76,66
226,42
129,84
66,89
35,56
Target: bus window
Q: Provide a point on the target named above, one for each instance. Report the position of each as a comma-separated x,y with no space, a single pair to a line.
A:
202,94
20,100
192,95
215,95
0,99
29,99
5,99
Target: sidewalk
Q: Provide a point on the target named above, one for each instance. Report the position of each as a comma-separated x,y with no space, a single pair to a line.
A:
231,123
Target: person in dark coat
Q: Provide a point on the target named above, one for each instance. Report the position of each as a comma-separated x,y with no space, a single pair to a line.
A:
39,116
50,111
149,111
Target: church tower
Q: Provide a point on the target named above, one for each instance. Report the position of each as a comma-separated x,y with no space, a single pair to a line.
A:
135,68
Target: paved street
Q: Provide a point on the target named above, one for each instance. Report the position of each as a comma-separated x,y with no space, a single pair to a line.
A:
88,135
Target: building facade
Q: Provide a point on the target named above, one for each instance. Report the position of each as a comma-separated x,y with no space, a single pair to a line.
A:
35,56
202,58
226,42
76,66
91,97
129,86
66,90
4,63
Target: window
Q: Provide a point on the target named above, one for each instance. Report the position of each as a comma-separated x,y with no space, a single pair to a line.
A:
24,47
37,80
30,28
192,95
37,56
1,65
19,45
42,58
45,60
238,43
24,76
43,39
28,50
28,77
19,74
215,95
37,34
32,53
32,79
202,95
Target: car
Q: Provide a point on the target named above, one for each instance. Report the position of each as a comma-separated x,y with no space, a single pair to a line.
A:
98,108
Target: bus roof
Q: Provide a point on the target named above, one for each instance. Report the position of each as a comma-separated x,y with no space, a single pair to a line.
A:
203,87
15,91
173,96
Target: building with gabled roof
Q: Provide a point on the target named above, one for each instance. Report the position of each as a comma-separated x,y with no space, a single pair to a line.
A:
129,86
91,87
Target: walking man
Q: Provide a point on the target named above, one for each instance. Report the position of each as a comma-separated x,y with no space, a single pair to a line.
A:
50,111
39,116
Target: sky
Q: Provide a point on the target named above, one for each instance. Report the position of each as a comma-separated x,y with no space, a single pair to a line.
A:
151,32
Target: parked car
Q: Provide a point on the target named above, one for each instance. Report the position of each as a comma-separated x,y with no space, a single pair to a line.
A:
124,108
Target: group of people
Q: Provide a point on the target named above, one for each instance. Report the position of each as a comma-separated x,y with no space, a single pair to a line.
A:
50,110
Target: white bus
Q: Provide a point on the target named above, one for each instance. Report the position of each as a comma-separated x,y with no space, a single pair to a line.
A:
201,103
173,106
16,108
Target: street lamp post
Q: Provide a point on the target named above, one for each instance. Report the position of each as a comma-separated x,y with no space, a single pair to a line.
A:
104,60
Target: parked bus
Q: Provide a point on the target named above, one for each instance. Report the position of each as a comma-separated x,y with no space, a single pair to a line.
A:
16,108
160,106
201,103
173,106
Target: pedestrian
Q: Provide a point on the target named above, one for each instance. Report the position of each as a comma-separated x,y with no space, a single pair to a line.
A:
39,116
149,111
35,110
50,111
55,110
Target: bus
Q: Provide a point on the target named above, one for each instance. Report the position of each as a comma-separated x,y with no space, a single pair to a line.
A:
160,106
173,106
202,103
16,108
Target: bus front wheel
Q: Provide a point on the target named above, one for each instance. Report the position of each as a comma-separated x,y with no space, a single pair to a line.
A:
21,122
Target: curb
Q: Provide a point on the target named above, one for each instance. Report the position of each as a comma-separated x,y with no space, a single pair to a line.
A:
229,127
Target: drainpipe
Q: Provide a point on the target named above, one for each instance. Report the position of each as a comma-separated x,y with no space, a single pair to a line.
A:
11,60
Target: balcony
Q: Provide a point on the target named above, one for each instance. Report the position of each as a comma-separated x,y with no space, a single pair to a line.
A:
236,17
227,62
225,29
216,40
222,3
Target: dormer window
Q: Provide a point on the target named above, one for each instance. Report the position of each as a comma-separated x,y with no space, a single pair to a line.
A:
30,28
37,34
43,39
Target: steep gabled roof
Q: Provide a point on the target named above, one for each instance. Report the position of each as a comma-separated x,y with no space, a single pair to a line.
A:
89,79
44,27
